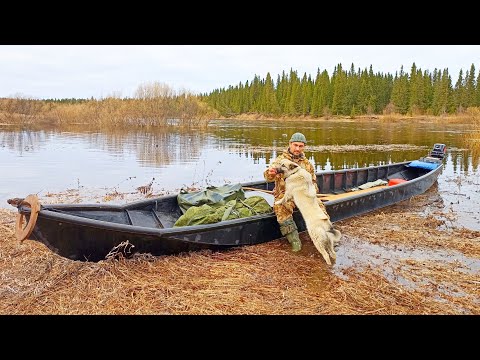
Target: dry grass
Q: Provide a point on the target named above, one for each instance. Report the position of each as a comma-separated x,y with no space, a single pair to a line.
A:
469,116
184,111
261,279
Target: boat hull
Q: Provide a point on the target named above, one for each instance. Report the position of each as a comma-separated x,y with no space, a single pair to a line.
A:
93,242
90,232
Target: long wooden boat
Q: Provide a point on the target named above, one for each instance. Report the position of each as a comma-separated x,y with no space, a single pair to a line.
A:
92,232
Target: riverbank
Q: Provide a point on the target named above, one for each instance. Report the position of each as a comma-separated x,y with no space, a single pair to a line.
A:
403,259
468,117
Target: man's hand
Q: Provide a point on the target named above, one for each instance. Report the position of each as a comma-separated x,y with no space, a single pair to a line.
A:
272,171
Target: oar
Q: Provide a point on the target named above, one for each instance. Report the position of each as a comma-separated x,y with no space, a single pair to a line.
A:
327,197
255,189
271,192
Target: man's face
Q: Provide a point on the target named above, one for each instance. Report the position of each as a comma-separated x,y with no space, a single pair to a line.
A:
296,148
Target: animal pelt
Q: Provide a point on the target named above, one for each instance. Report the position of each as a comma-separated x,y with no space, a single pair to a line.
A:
300,187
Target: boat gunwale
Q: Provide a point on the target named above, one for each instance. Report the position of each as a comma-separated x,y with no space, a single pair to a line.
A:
363,168
385,188
48,211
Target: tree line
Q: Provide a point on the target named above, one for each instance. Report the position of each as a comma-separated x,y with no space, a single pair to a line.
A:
352,92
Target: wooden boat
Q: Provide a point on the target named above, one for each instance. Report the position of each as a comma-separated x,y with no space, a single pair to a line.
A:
93,232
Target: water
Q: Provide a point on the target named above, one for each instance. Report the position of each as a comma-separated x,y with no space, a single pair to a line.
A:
47,161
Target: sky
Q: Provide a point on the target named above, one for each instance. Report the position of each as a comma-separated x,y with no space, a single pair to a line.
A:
100,71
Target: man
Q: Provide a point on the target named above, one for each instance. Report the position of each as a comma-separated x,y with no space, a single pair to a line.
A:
284,212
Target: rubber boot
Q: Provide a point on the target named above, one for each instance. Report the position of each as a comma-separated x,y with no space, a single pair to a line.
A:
288,228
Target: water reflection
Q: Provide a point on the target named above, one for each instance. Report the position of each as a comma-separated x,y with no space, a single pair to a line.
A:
22,140
159,148
332,132
52,160
153,148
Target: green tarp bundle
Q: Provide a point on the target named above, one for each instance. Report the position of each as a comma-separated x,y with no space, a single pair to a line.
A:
218,204
211,196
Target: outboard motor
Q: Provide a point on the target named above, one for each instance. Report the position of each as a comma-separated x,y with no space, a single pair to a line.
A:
438,151
433,159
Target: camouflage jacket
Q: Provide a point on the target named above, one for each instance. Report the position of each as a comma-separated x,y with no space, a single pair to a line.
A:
279,189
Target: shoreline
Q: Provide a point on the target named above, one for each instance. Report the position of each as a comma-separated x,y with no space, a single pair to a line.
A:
461,118
464,118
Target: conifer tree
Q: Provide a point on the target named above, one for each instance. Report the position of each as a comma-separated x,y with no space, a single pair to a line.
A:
385,92
278,92
288,92
270,100
437,107
470,94
338,90
314,110
417,101
459,92
325,96
247,104
353,113
413,103
255,91
303,98
365,93
282,90
428,90
307,88
400,96
294,104
448,98
478,90
235,105
351,93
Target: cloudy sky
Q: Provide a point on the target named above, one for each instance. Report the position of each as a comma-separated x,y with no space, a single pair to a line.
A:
83,71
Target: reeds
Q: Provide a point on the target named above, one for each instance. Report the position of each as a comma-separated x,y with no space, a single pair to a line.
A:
179,111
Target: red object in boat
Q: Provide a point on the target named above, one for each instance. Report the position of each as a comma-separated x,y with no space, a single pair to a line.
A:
392,182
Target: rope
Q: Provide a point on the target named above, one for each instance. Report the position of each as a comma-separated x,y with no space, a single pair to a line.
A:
21,232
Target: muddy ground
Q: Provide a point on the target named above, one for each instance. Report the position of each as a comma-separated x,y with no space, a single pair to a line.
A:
404,259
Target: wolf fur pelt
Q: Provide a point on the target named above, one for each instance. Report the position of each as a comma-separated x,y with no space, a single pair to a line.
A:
299,186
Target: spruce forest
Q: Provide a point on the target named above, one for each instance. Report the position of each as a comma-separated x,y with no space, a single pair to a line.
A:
350,93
